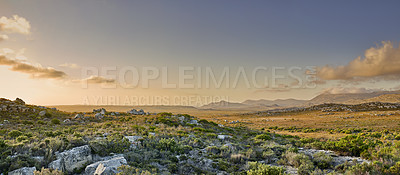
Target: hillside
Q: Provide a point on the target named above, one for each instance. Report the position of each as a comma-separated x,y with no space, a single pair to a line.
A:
48,141
347,98
386,98
278,102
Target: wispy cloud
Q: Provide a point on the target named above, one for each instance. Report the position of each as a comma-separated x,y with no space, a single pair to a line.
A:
15,24
35,71
99,80
347,90
3,37
381,62
70,65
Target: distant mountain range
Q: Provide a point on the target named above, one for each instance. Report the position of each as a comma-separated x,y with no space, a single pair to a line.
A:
348,98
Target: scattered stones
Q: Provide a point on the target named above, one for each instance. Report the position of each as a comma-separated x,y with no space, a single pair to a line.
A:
23,171
135,112
233,122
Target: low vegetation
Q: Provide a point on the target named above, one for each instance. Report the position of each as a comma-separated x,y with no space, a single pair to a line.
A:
184,144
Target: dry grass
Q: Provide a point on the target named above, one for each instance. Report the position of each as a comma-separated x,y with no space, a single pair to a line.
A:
315,119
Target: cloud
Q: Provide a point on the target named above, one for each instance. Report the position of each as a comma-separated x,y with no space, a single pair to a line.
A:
15,24
17,62
35,71
3,37
381,62
347,90
99,80
70,65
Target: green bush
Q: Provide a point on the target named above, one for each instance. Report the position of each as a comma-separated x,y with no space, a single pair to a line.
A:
263,137
55,121
14,133
322,160
263,169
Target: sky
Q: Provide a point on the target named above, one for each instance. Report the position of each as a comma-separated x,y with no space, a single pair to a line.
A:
58,52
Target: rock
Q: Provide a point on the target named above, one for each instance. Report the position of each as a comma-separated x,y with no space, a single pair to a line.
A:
135,112
223,137
106,167
78,116
73,159
23,171
19,101
181,118
134,140
194,122
67,121
152,133
220,125
103,111
98,116
42,113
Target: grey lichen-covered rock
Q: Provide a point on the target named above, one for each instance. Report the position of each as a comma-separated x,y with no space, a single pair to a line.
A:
98,116
23,171
73,159
223,137
134,140
194,122
106,167
78,116
42,113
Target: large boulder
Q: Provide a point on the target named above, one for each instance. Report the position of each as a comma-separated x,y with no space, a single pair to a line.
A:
23,171
73,159
106,167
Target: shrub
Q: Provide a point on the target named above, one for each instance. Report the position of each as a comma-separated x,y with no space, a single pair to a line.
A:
263,169
55,121
237,158
14,133
46,171
322,160
22,138
263,137
305,168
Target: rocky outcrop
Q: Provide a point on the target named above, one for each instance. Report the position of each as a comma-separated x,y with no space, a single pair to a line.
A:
23,171
99,116
135,112
106,167
73,159
336,159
